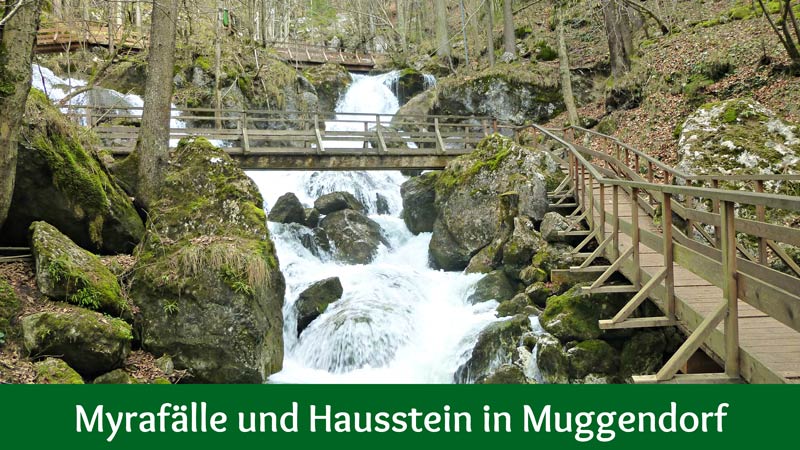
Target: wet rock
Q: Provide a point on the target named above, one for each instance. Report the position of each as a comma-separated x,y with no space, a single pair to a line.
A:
410,83
506,374
287,209
592,357
312,217
519,304
643,354
496,346
338,201
315,300
382,204
540,291
487,259
55,371
89,342
494,286
67,272
355,238
552,360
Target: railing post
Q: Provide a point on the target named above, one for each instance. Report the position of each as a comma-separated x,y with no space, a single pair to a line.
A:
730,289
637,278
592,224
365,145
615,220
715,210
690,204
602,211
669,277
583,185
761,215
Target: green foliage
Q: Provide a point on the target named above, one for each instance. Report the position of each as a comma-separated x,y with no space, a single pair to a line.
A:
171,307
204,63
544,52
2,338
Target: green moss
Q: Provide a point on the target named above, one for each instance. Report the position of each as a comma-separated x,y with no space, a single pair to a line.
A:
544,52
10,307
56,371
204,63
608,126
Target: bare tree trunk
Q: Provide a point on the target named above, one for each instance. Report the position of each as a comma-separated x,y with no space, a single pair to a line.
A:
464,31
402,33
152,147
218,62
138,19
620,38
17,37
563,69
442,37
490,31
509,40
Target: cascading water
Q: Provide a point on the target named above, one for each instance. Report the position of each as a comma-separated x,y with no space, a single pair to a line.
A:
398,321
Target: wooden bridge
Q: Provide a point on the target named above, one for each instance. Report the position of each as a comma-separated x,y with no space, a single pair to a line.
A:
679,240
62,36
304,141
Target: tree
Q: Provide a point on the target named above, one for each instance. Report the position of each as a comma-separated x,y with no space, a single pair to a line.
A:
490,31
152,148
563,68
619,34
783,30
19,22
509,40
442,37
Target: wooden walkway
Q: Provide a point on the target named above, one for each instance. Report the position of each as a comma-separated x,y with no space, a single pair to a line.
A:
701,279
266,140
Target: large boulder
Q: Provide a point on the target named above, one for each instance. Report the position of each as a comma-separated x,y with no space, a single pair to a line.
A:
338,201
411,82
552,360
355,238
419,197
506,374
67,272
315,300
552,223
61,182
574,315
496,346
287,209
643,354
330,81
207,285
522,245
10,307
469,198
494,286
592,357
89,342
55,371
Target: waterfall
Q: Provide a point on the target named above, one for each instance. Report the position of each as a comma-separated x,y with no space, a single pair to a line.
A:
398,321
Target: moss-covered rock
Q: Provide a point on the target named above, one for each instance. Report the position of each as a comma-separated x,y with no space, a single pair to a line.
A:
643,354
207,283
523,243
574,315
592,357
67,272
55,371
330,81
287,209
540,291
313,301
117,376
506,374
337,201
519,304
469,198
410,83
494,286
89,342
552,360
10,307
61,182
496,346
419,197
354,237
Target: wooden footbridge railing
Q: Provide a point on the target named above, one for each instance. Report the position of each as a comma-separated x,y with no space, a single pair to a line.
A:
311,55
62,36
304,140
707,256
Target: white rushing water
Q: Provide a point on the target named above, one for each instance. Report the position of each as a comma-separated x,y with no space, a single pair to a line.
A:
398,321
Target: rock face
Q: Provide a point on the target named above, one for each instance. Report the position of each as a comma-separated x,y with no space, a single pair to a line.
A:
573,315
59,181
89,342
496,346
67,272
314,300
330,81
419,198
337,201
355,237
287,209
468,198
55,371
739,136
207,286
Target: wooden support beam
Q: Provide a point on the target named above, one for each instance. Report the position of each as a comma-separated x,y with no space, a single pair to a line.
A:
610,271
637,300
595,254
318,135
730,289
245,137
639,322
439,140
694,378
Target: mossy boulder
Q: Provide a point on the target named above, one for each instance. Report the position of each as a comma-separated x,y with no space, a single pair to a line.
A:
523,243
419,197
311,217
643,354
552,223
494,286
330,82
469,202
61,182
496,346
207,285
553,256
592,357
410,83
574,315
287,209
117,376
89,342
540,291
313,301
55,371
506,374
519,304
10,307
552,360
67,272
337,201
354,237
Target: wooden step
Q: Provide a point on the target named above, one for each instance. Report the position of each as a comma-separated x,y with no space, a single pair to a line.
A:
694,378
612,289
639,322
